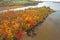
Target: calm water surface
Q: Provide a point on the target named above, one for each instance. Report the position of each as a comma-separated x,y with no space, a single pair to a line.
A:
50,29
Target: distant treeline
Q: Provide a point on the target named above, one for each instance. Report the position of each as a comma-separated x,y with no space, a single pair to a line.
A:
4,3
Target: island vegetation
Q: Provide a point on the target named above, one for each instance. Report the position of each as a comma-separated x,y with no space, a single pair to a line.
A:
13,24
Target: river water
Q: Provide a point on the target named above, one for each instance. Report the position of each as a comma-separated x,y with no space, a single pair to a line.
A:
52,5
50,29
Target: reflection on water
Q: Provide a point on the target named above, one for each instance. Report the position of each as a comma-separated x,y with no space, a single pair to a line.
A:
55,19
50,29
54,6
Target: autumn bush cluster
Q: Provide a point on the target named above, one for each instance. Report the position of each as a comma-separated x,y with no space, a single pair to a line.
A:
13,24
